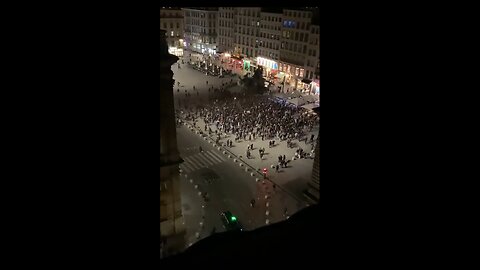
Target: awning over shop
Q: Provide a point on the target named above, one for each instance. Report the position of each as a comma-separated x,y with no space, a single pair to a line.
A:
307,81
309,98
311,106
297,101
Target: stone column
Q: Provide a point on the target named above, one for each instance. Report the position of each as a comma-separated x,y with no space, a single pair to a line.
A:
313,190
172,230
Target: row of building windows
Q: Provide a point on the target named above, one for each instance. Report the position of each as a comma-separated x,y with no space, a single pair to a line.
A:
294,24
246,22
293,47
171,15
272,19
247,31
297,14
225,32
225,23
226,15
270,27
199,15
171,25
269,45
199,30
249,12
172,34
269,36
291,69
295,36
200,22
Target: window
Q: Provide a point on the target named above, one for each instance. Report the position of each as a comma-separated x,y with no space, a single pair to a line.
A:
301,72
296,71
164,25
306,37
301,36
171,33
171,25
304,49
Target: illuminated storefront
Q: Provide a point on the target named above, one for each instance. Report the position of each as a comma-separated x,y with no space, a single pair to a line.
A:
246,65
316,87
270,67
175,51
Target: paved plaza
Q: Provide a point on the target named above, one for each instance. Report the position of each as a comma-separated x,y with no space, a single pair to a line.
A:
239,179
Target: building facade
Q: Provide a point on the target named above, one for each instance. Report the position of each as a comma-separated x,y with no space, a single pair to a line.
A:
269,45
312,75
226,25
172,228
293,50
201,30
171,20
247,32
285,42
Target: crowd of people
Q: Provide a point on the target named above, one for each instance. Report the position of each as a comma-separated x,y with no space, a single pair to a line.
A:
260,116
247,117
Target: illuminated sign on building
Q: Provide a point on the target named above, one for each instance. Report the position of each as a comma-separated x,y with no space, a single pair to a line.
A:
267,63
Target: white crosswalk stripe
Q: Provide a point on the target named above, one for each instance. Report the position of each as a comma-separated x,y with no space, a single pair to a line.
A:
214,157
201,160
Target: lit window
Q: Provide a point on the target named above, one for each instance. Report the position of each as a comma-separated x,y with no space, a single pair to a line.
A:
171,33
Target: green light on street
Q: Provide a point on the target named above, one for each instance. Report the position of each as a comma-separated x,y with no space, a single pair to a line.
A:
233,218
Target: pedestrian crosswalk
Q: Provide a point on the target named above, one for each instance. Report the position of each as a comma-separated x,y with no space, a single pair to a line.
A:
201,160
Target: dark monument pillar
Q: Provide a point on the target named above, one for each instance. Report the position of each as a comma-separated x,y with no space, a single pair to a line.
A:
313,190
172,229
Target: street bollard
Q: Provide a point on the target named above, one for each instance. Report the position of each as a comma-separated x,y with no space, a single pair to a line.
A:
191,180
199,193
230,156
267,204
185,175
271,166
219,148
266,197
267,213
256,179
293,158
251,174
241,164
234,160
196,186
267,221
246,169
180,171
224,152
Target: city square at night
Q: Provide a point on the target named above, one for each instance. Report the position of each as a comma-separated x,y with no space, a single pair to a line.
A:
240,100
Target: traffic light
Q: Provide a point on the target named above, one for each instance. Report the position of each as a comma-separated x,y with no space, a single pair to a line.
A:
233,218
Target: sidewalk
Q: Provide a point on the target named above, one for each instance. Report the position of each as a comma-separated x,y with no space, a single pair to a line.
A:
191,209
